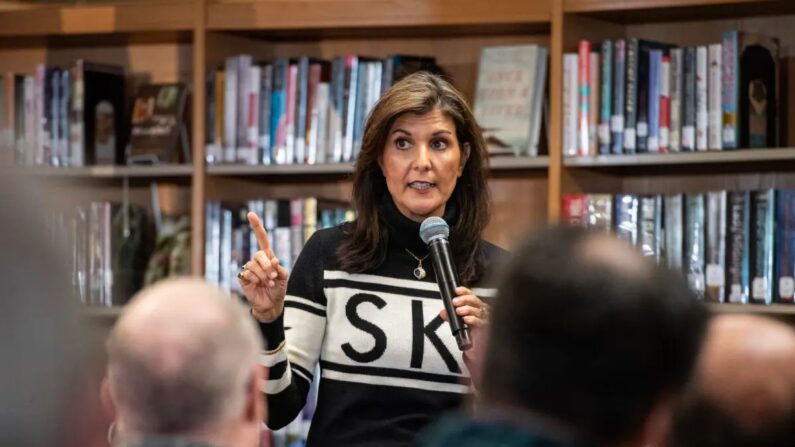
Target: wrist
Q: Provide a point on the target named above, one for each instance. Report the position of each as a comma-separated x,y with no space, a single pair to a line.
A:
263,317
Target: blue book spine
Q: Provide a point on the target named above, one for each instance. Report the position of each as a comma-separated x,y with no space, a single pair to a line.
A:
655,64
785,246
617,120
737,243
761,248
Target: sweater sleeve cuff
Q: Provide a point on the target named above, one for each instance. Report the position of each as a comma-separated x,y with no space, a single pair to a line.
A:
272,333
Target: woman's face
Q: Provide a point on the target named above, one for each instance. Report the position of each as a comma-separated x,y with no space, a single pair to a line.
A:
422,161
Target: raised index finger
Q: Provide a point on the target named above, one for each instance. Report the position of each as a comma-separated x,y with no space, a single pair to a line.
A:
260,233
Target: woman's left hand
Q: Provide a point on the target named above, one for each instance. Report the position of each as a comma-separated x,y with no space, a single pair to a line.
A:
469,307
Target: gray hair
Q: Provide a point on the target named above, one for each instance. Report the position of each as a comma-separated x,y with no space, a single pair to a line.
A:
180,358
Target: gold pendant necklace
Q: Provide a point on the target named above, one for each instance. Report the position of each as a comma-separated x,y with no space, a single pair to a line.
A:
419,272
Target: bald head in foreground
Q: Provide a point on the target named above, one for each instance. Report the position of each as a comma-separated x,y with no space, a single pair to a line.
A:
743,393
183,371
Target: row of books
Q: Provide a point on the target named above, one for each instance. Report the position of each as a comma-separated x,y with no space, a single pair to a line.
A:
632,95
733,246
115,249
303,110
230,243
78,116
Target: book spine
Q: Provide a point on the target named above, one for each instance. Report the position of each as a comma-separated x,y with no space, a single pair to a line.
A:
631,100
324,106
715,88
785,246
650,224
583,87
730,87
539,97
31,121
694,243
570,104
301,110
351,93
575,208
738,220
230,109
312,124
715,255
337,110
362,88
41,132
761,248
689,100
606,102
619,87
600,212
627,218
252,129
665,104
290,113
702,106
676,79
593,106
265,132
643,102
653,104
77,146
281,69
243,118
673,225
66,99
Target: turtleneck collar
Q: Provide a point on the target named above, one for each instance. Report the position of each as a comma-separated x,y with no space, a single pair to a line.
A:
404,233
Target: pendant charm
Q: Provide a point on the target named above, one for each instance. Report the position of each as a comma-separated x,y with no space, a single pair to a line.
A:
419,273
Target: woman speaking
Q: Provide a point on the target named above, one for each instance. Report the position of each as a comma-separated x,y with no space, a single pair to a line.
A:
362,298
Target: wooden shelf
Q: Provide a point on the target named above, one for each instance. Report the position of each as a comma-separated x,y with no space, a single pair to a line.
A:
291,169
333,169
130,17
518,163
112,171
772,309
101,312
308,15
683,158
639,11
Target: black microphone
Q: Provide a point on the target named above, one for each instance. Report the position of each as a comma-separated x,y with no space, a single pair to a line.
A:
434,231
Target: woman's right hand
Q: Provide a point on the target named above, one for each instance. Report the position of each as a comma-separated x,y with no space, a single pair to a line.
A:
263,279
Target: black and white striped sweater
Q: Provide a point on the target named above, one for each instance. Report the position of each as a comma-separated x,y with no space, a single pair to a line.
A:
388,362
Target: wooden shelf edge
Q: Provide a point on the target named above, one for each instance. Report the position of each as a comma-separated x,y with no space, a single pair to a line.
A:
771,309
683,158
111,171
629,5
148,16
518,163
291,15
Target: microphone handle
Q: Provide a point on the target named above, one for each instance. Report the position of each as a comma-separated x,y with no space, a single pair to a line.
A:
446,279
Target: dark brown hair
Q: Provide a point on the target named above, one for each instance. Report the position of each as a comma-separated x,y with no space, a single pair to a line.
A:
419,93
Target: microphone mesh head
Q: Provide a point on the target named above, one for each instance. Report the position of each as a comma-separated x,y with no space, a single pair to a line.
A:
432,228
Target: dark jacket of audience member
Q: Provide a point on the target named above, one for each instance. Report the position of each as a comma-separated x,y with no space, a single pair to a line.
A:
589,343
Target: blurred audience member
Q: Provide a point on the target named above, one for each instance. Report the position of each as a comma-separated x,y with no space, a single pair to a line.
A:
183,370
743,392
589,345
49,358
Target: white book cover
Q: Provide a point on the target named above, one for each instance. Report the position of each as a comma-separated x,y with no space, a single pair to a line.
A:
230,109
676,79
292,103
570,104
715,92
702,115
504,95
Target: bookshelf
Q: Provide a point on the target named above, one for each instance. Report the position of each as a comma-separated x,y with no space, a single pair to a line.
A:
175,40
